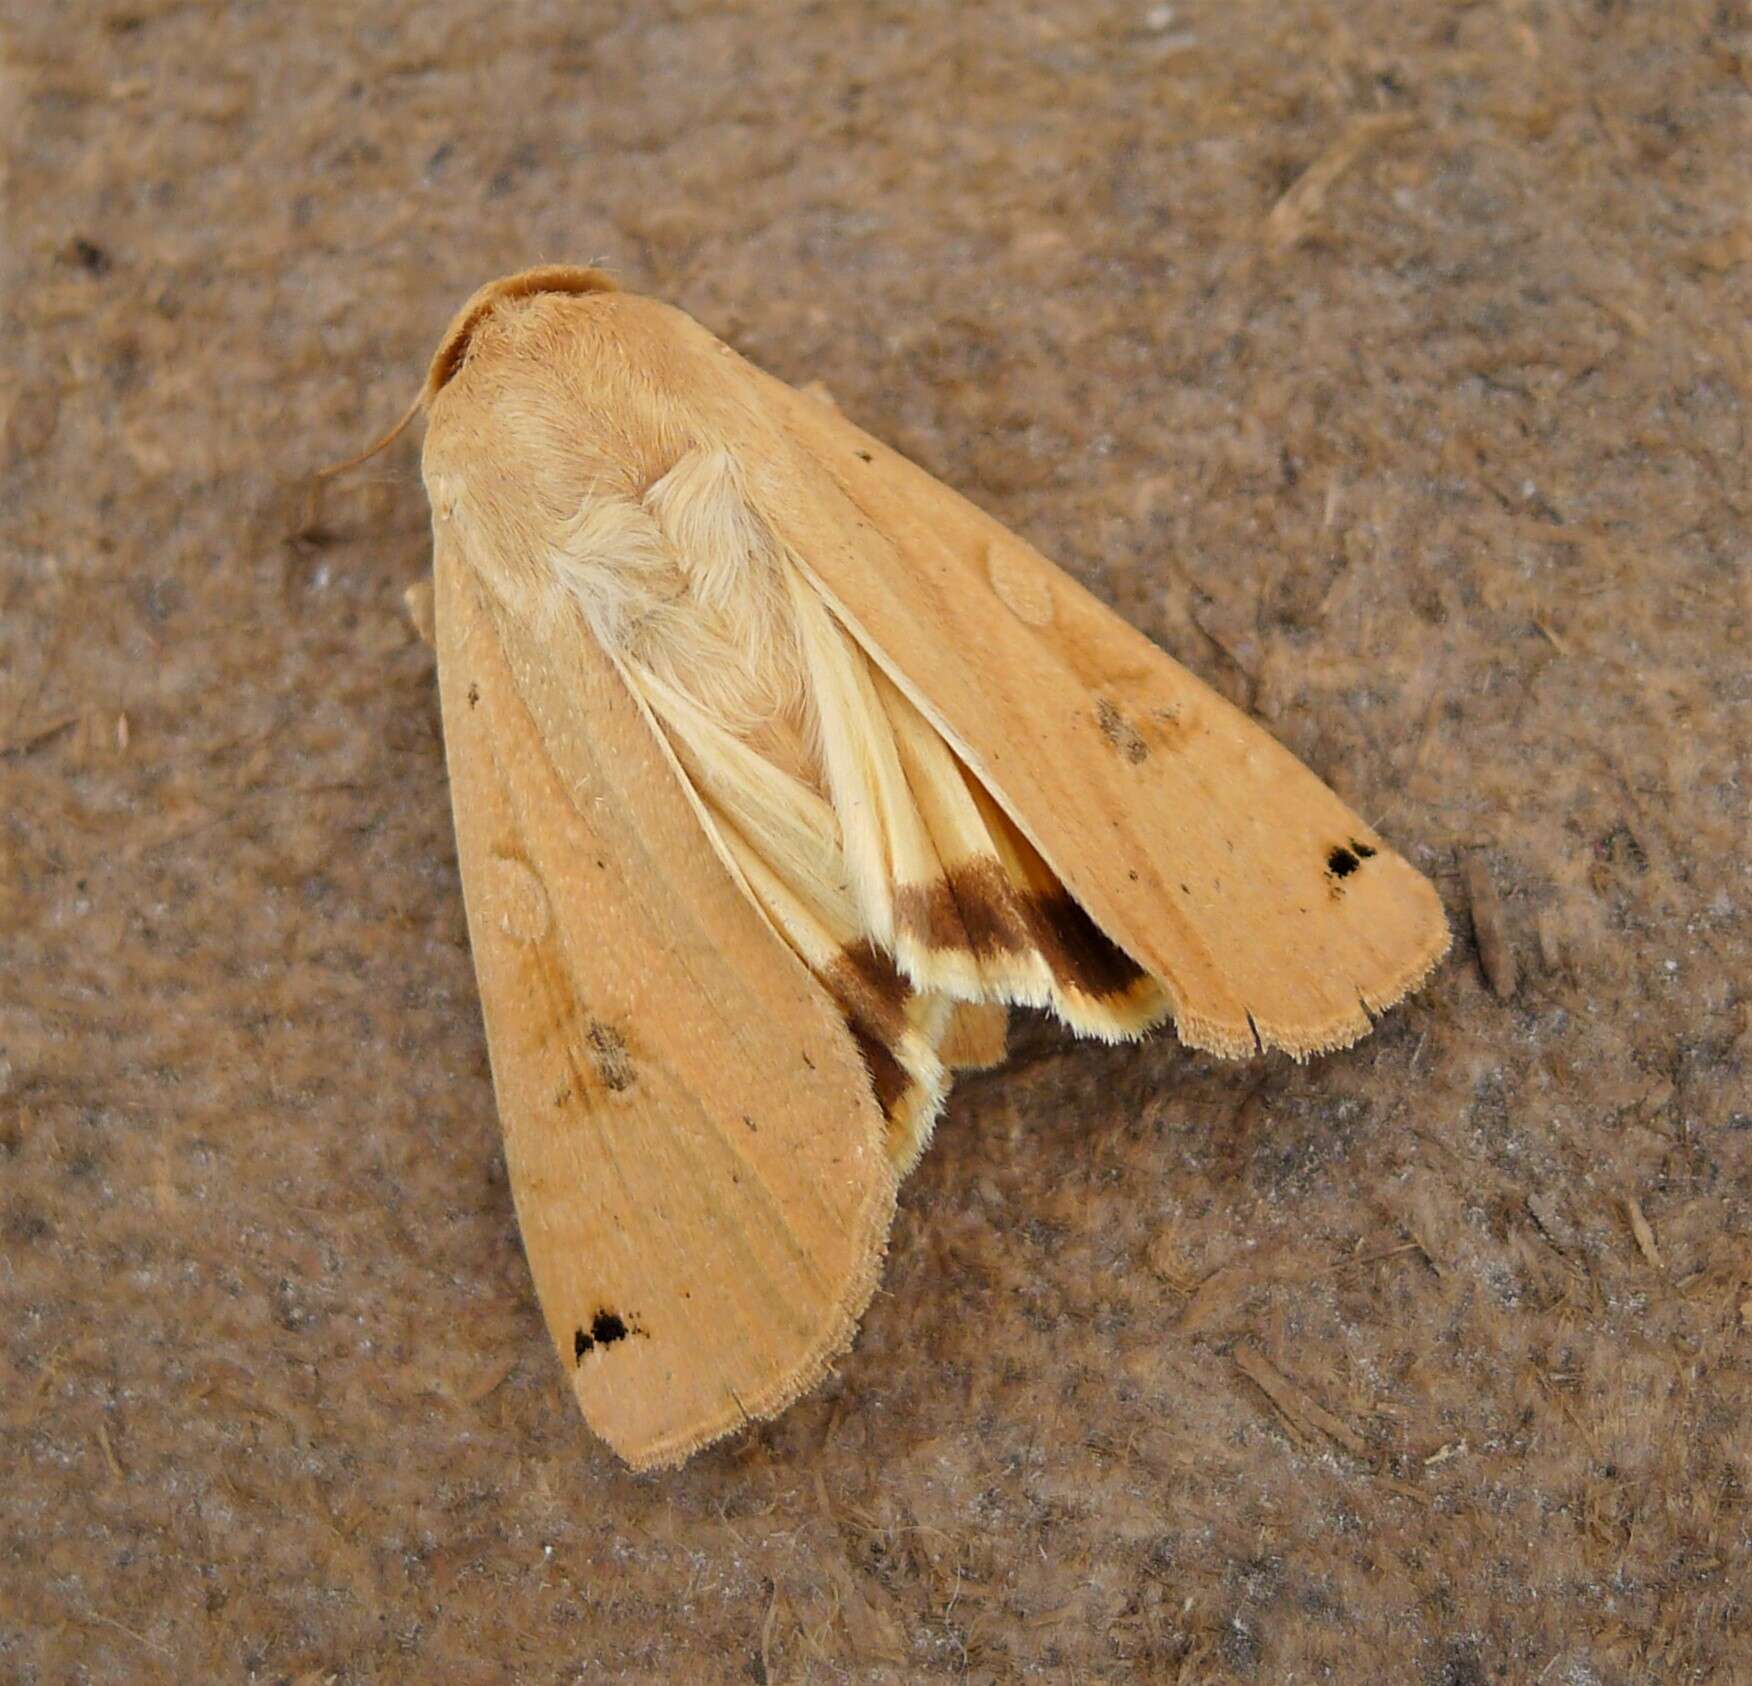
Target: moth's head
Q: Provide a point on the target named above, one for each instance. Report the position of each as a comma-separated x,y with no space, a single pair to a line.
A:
550,278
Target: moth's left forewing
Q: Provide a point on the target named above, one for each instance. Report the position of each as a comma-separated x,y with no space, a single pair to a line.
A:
697,1162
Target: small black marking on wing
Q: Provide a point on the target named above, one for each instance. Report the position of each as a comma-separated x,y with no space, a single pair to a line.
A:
606,1327
474,695
1341,863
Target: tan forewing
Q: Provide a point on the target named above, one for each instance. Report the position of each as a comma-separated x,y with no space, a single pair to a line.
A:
1273,915
696,1157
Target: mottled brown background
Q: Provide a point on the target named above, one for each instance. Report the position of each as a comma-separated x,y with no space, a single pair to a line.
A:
1388,363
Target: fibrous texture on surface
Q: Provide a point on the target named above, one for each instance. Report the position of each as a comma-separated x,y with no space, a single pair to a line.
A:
1386,364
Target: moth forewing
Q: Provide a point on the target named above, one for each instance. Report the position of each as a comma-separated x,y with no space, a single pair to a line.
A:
1273,915
698,1165
780,773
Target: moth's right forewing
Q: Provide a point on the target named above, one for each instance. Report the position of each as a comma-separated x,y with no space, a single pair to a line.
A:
1272,914
693,1147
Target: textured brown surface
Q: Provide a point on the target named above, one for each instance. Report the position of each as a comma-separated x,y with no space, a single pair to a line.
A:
1388,363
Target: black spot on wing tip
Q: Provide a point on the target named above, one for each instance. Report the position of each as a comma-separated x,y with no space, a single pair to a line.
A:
1341,863
606,1327
1346,858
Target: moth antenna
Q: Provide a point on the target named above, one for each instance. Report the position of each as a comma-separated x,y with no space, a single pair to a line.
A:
313,499
370,451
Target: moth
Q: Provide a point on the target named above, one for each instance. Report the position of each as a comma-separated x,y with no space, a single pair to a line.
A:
780,774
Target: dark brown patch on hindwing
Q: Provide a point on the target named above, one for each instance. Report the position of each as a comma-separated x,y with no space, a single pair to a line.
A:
864,981
873,996
993,913
976,909
928,914
1077,952
888,1076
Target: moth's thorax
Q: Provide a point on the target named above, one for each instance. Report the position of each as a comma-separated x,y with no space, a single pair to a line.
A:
686,582
589,476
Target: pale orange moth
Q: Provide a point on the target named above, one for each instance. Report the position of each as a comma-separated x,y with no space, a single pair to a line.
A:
780,773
